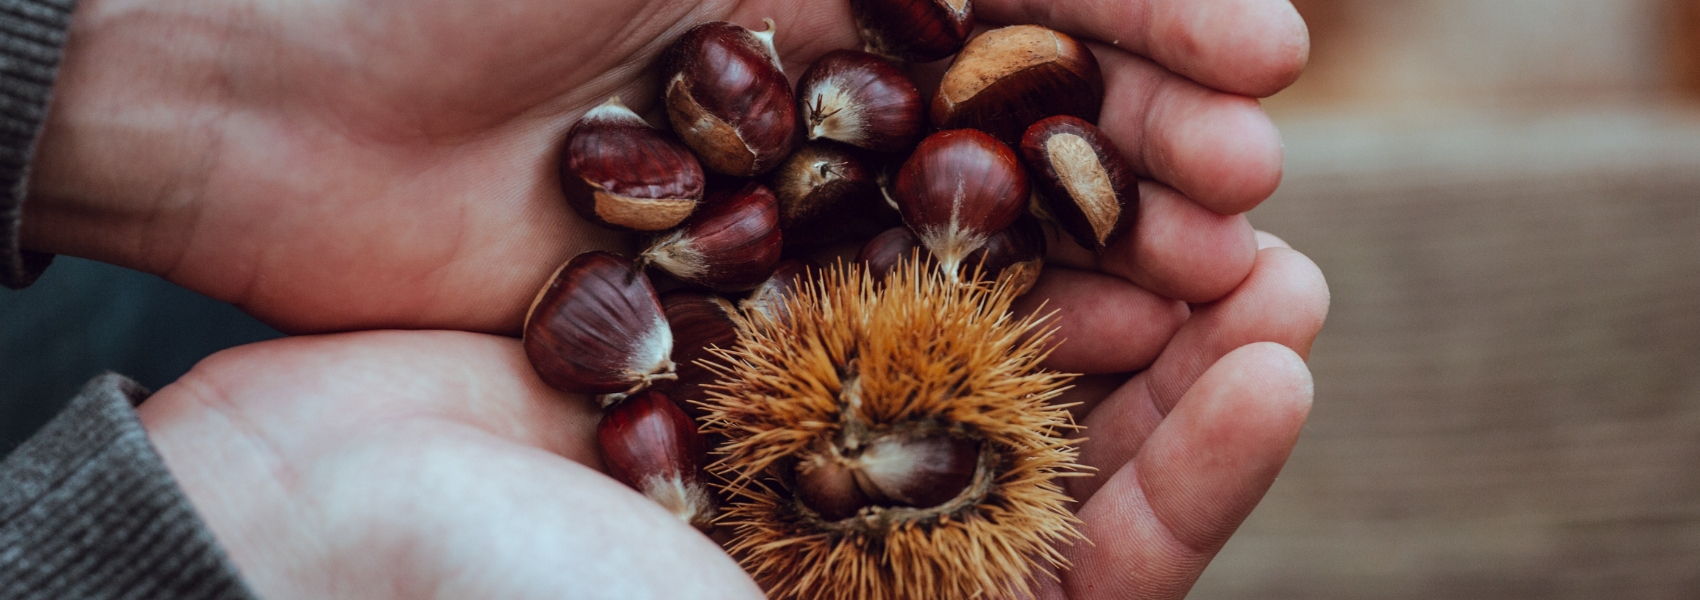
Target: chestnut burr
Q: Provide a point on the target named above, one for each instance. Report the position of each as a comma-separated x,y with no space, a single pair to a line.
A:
620,172
914,30
598,328
1086,185
728,99
648,443
731,244
860,99
960,187
1007,78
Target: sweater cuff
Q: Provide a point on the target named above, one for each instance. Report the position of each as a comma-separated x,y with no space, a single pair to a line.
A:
88,510
32,37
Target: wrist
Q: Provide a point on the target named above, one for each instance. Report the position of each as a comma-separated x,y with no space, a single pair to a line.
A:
129,134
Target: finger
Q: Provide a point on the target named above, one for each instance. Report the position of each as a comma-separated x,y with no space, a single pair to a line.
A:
1249,47
1269,240
1218,149
1103,324
1283,301
1164,514
1180,250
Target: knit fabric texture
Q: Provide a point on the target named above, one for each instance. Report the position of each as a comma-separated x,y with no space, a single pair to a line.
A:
32,37
88,510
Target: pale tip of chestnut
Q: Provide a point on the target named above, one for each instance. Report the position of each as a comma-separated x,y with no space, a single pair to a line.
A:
766,36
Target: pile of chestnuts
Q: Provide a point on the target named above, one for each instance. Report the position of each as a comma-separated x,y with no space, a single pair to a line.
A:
755,182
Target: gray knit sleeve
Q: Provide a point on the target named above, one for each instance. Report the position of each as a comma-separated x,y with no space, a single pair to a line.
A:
32,36
87,510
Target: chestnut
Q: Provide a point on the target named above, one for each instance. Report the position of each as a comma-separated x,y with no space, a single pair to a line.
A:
648,443
1015,255
960,187
699,321
1007,78
620,172
894,469
728,99
770,297
886,250
598,328
914,30
731,244
1086,185
821,189
860,99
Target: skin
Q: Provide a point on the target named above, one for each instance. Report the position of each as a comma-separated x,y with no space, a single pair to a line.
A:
343,167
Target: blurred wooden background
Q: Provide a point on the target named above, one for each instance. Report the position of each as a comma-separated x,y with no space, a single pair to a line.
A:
1505,197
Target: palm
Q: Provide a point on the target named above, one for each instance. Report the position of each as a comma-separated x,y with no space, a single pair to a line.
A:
415,149
362,465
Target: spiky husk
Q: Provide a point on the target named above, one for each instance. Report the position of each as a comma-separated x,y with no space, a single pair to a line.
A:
920,348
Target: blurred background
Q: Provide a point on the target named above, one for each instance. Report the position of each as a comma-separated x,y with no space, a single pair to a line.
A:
1505,197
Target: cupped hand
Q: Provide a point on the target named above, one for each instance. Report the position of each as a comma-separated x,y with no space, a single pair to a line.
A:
348,165
416,465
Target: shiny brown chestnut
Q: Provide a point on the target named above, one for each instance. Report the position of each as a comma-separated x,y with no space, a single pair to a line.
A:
914,30
731,244
957,189
1015,255
883,253
894,469
648,443
860,99
618,171
728,99
1007,78
769,297
598,328
699,321
1086,185
820,188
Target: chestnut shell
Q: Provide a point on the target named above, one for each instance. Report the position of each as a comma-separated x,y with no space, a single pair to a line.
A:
1008,78
728,99
598,328
860,99
619,171
1083,180
960,186
914,30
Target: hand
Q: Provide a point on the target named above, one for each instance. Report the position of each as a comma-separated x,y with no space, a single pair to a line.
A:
416,465
347,165
357,165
